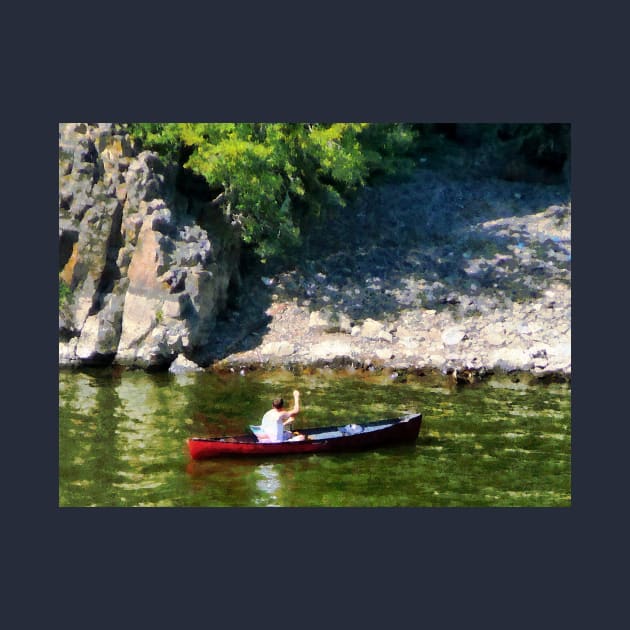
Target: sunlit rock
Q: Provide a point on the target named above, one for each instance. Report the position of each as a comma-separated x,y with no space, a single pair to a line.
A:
453,336
182,365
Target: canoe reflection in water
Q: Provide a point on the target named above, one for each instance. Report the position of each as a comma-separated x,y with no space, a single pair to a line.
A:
269,484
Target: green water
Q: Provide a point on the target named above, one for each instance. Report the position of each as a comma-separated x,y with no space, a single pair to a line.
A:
122,442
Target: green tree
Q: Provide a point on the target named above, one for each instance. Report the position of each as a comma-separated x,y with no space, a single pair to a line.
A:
271,178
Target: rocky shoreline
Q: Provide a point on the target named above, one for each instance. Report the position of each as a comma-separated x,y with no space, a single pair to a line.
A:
450,272
486,289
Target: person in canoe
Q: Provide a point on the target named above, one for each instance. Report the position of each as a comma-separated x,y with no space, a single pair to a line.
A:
274,421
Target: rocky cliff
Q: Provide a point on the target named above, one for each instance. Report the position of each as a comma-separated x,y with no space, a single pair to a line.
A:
144,269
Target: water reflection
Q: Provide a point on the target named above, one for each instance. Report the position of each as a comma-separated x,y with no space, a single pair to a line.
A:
87,443
119,438
78,394
151,415
268,482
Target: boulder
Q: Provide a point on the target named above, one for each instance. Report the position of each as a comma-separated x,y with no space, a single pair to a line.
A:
559,357
494,334
144,178
277,349
67,352
330,322
453,336
182,365
383,354
372,329
510,359
332,349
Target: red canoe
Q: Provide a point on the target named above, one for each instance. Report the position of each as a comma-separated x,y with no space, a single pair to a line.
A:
351,437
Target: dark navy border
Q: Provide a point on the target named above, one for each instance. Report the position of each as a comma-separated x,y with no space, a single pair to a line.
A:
108,567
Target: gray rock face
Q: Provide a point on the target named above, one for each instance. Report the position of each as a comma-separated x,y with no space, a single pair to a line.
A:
146,279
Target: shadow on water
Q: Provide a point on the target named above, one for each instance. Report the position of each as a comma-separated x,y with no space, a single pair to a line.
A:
423,243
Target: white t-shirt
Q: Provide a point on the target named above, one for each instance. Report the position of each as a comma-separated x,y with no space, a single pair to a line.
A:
272,425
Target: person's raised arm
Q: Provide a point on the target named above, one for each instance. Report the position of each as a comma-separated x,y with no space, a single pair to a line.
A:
296,407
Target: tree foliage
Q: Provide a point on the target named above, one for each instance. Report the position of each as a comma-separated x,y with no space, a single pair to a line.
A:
274,180
271,177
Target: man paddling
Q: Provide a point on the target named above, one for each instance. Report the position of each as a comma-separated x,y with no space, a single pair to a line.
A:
274,421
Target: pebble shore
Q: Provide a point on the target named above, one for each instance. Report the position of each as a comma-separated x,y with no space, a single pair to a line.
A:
459,275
